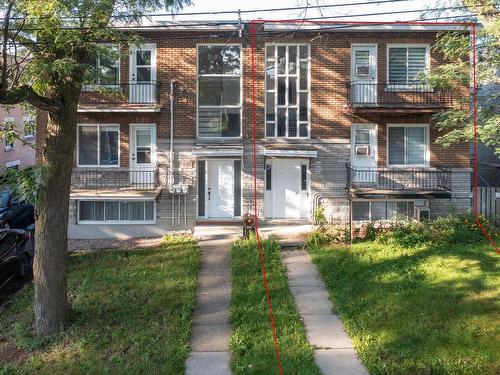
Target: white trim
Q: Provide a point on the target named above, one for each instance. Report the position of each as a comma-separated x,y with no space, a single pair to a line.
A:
14,163
98,146
132,143
201,153
402,87
347,27
115,222
427,146
286,75
291,153
240,45
151,109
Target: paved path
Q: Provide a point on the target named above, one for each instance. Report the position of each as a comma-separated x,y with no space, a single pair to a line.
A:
334,353
211,329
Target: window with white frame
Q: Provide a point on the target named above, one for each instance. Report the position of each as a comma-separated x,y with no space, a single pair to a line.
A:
382,210
287,90
362,142
219,91
29,127
407,145
407,63
98,145
8,125
106,65
116,211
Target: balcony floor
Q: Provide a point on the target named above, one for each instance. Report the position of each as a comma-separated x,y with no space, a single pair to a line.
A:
119,107
114,193
398,193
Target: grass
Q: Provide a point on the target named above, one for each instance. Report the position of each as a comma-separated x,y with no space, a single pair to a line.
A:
132,314
422,310
252,341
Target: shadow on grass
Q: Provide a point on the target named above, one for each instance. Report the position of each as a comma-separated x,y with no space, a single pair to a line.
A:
417,311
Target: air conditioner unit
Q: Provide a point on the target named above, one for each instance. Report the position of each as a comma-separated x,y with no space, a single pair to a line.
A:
362,70
362,150
422,213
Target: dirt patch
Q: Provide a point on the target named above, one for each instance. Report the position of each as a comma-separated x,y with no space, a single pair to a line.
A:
10,354
111,243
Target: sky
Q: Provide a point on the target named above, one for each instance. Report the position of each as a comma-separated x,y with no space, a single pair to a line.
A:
351,11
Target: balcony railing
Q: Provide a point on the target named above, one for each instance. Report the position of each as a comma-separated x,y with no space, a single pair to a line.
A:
114,179
120,94
411,179
395,94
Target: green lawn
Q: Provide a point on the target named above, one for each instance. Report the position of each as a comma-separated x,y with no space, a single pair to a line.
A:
425,310
252,341
132,315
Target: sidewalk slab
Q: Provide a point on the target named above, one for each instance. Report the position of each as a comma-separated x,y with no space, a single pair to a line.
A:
208,363
339,362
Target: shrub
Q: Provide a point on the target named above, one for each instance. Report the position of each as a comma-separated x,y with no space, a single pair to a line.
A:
328,234
444,230
319,215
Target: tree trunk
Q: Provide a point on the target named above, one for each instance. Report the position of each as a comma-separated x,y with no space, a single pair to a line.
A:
51,237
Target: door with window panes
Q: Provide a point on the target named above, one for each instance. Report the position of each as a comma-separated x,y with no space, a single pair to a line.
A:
142,88
364,154
364,74
143,155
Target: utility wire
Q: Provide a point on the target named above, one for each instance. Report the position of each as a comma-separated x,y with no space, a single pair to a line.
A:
234,23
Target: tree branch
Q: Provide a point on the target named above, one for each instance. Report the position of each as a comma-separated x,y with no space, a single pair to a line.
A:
27,94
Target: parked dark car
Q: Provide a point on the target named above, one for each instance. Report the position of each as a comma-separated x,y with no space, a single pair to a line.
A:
13,212
16,254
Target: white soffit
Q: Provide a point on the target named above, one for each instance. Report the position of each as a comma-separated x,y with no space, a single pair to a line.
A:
276,26
291,153
215,151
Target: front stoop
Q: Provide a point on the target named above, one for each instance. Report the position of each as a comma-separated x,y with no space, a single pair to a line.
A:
334,352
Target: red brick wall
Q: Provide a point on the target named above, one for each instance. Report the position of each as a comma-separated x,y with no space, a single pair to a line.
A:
331,117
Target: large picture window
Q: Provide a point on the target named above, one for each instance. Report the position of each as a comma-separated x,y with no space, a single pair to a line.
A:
98,145
219,91
287,90
116,211
407,145
406,64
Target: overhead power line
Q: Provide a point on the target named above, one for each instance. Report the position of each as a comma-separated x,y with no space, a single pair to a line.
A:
227,23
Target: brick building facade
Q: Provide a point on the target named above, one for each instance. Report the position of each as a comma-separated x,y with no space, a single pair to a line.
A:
333,127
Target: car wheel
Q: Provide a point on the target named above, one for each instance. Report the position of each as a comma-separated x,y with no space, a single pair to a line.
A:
6,225
24,265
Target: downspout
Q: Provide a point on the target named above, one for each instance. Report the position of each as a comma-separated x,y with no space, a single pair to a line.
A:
171,171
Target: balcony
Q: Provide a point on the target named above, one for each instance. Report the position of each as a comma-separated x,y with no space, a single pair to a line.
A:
120,97
114,179
408,182
377,97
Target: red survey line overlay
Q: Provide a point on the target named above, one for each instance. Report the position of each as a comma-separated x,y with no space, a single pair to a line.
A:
472,25
261,255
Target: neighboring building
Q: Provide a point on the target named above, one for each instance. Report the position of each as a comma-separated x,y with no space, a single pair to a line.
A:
18,154
340,120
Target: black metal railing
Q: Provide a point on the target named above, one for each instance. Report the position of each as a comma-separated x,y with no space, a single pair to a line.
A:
111,179
398,93
123,93
408,179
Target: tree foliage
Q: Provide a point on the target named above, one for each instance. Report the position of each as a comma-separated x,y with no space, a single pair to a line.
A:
456,125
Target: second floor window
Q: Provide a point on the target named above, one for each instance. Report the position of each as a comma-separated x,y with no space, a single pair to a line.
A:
287,90
219,91
107,66
98,145
406,64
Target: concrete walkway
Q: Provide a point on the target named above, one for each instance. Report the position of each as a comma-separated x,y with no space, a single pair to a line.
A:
211,329
334,353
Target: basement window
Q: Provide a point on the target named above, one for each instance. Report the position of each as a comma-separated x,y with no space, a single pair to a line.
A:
116,211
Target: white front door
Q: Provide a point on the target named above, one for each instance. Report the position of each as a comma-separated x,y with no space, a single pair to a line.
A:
142,154
289,188
364,74
364,153
143,74
219,192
